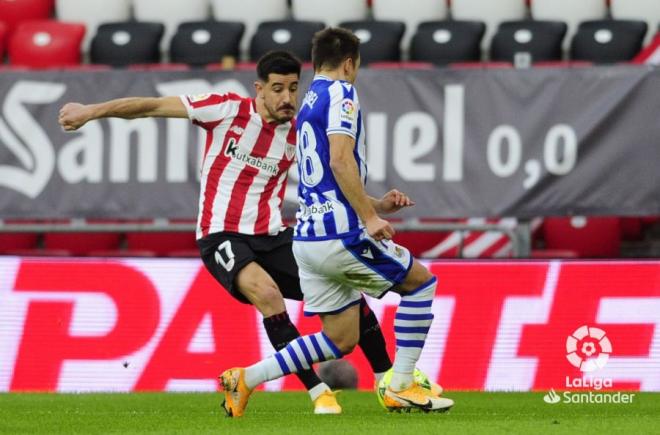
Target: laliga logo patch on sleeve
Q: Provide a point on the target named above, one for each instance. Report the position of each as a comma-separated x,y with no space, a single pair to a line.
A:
348,111
198,97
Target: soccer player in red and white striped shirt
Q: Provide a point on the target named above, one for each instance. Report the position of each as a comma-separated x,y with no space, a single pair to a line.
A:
250,146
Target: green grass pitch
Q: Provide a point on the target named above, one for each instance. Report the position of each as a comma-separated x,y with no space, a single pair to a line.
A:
291,413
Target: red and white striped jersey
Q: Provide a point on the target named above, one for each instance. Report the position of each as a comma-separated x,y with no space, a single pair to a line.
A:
245,166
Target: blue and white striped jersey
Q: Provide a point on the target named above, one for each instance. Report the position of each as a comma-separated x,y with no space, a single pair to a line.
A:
330,107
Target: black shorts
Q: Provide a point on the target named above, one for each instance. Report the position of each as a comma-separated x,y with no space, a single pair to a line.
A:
225,254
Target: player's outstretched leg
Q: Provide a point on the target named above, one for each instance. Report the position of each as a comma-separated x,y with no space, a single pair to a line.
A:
300,354
281,331
411,325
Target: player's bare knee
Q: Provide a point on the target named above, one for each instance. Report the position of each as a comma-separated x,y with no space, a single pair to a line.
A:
417,277
266,297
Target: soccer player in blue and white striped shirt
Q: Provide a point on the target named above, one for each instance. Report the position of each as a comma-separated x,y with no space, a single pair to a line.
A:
341,244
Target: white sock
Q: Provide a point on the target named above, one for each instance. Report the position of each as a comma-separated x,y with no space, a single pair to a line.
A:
411,325
316,391
379,376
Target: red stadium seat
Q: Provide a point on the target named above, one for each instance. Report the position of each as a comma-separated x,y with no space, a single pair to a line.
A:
13,12
13,242
589,237
81,243
46,44
3,39
161,243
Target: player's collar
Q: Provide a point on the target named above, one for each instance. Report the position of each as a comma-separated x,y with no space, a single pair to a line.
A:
322,77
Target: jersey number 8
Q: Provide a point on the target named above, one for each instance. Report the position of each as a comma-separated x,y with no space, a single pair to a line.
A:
311,167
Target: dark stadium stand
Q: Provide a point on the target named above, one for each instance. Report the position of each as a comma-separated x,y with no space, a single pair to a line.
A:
46,44
380,41
122,44
206,42
608,41
445,42
540,40
295,36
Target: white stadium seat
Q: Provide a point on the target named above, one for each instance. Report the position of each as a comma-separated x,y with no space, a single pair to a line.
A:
250,13
572,12
329,12
396,10
171,13
490,12
92,13
644,10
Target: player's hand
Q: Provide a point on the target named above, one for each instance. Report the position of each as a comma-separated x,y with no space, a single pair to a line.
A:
379,229
394,201
73,116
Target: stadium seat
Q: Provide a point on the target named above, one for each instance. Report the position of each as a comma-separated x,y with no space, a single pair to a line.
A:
645,10
13,242
540,40
330,12
206,42
295,36
380,41
608,41
423,10
171,13
92,13
259,11
122,44
46,44
445,42
3,40
81,243
161,243
571,12
13,12
490,12
589,237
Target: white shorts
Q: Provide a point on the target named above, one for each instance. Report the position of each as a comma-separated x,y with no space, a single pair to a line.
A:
334,272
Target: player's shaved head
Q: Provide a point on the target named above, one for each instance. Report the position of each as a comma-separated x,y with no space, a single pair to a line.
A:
277,62
332,46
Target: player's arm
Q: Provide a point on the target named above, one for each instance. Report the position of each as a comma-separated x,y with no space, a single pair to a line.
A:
344,168
75,115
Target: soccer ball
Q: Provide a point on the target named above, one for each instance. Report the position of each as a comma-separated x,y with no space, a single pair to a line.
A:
419,377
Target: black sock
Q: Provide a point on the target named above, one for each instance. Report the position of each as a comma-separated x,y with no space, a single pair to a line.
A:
281,331
372,341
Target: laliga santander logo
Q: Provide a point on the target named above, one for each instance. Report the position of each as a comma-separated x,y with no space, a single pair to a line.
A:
588,349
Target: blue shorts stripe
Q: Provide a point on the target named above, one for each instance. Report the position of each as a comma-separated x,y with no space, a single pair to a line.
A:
404,316
317,348
378,261
412,329
332,346
410,343
416,304
294,357
305,351
282,363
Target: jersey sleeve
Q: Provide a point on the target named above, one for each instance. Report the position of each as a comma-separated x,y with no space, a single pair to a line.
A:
343,110
208,109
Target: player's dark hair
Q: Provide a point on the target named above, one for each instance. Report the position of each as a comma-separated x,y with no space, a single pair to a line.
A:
332,46
278,62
